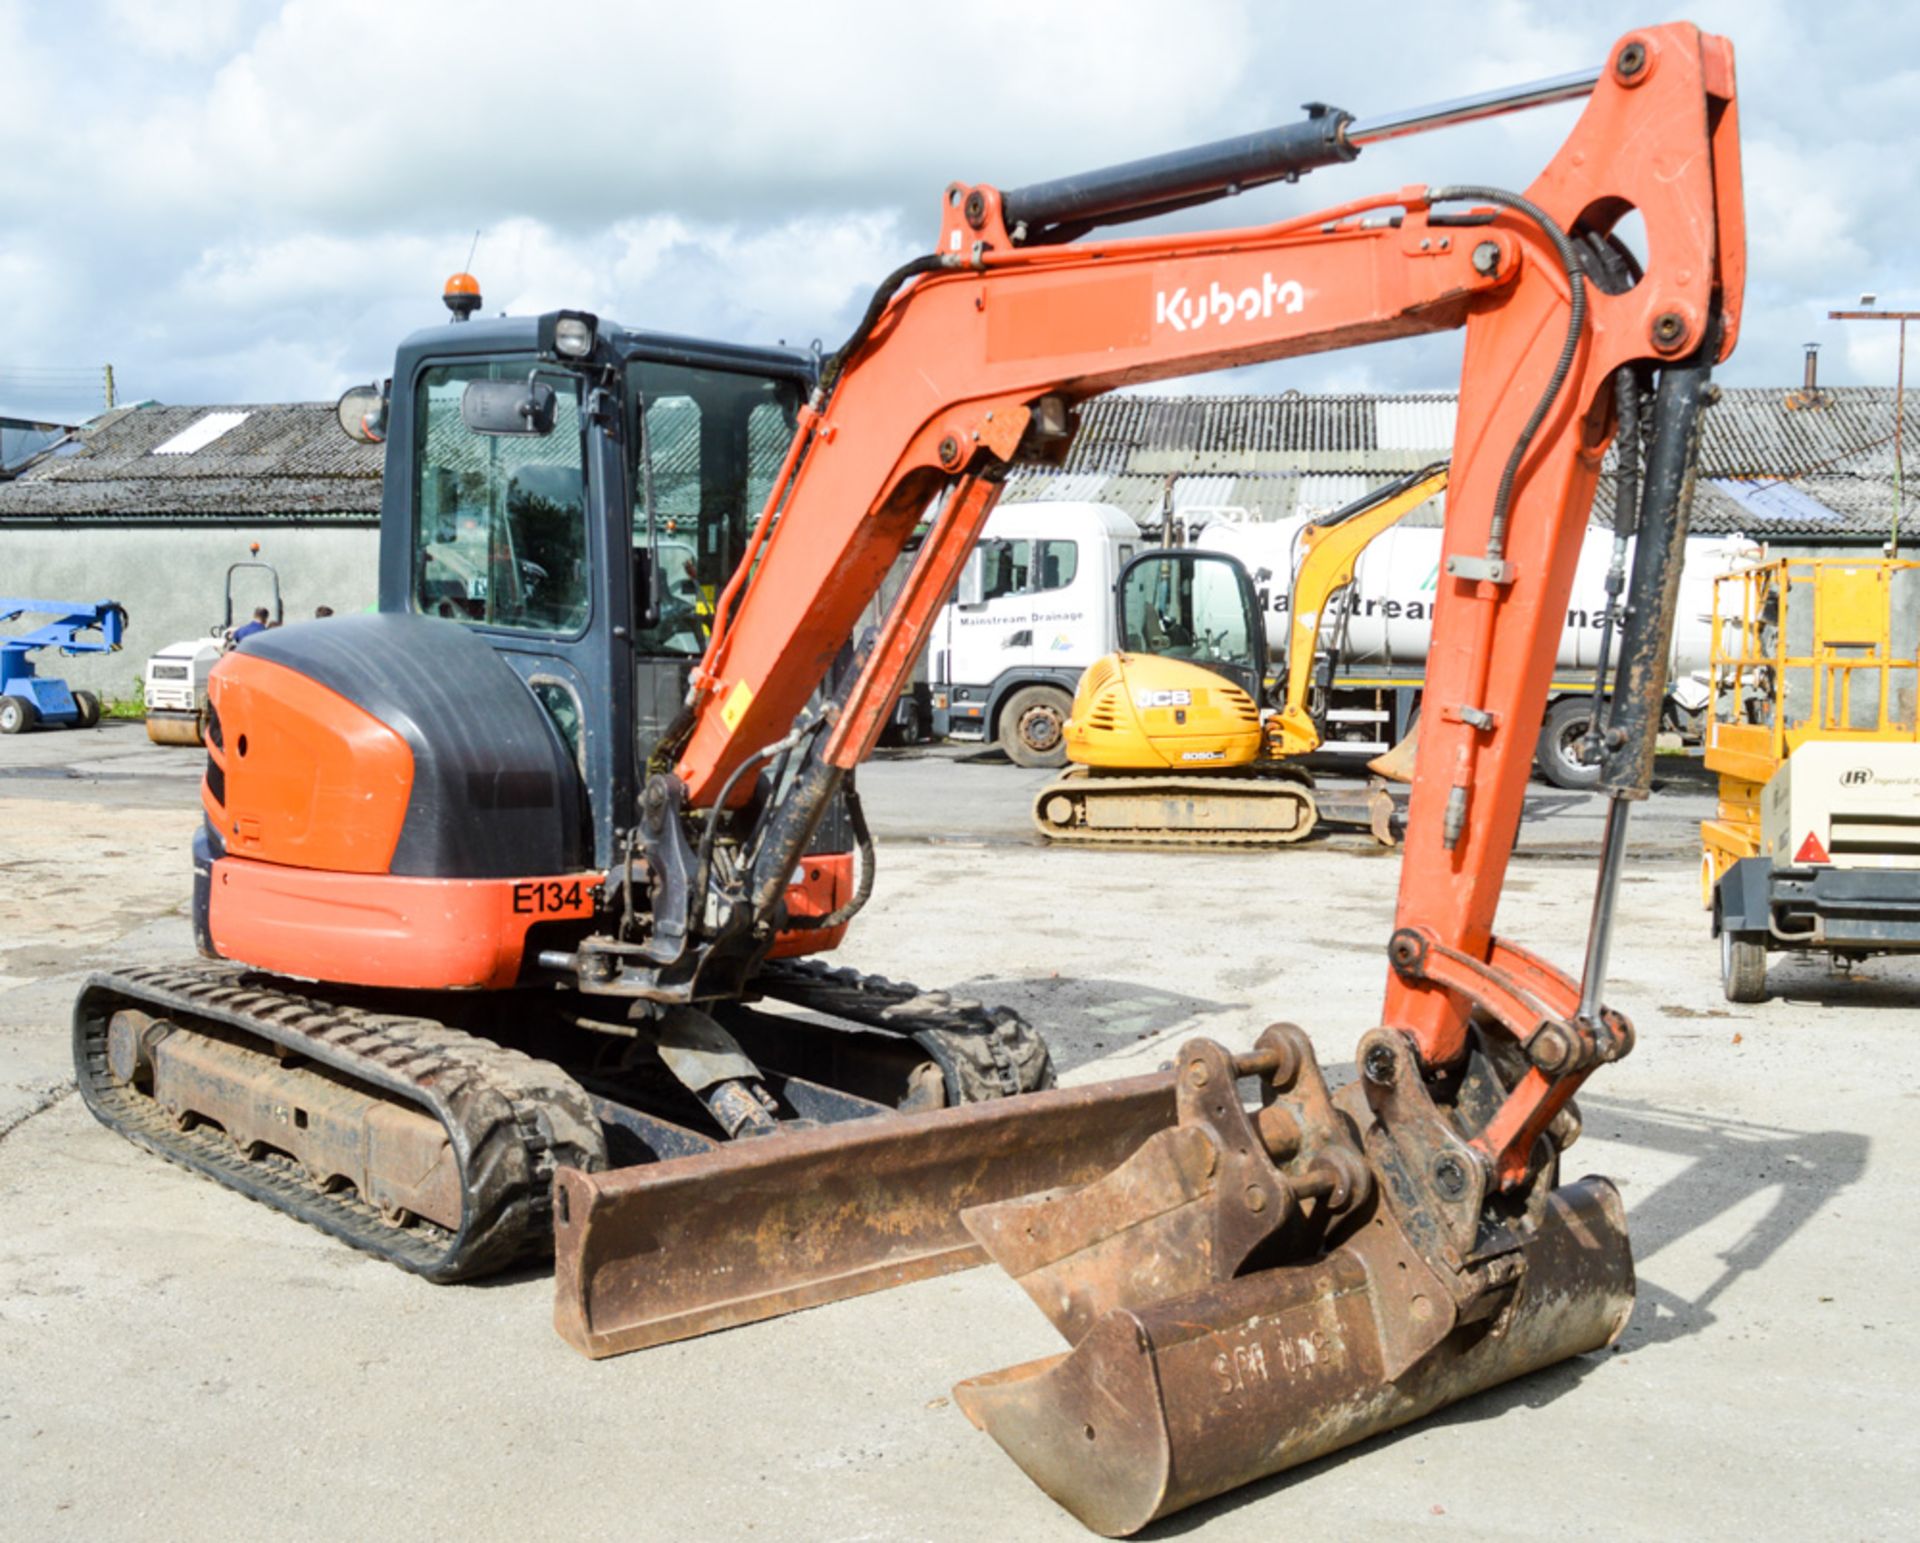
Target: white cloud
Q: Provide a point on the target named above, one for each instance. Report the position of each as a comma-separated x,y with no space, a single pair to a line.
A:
238,201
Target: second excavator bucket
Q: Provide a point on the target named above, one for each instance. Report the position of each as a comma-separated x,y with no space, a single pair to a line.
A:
1161,1405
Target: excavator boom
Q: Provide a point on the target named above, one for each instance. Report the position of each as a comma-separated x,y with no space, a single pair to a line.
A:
1249,1289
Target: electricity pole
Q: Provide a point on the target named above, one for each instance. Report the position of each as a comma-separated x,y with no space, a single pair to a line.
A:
1899,398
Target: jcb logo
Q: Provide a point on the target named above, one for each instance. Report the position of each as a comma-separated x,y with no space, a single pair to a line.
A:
1189,313
1163,699
1859,776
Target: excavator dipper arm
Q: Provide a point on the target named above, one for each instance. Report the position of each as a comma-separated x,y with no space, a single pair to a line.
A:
1248,1293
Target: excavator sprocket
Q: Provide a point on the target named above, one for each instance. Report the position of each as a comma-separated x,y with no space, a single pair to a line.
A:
412,1140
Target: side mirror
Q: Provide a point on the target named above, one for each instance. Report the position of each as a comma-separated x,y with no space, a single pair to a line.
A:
508,407
972,588
362,411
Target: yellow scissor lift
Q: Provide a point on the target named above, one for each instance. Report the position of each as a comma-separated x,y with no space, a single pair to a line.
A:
1814,733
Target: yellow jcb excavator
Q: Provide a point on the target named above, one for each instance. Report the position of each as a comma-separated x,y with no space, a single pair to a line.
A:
1167,738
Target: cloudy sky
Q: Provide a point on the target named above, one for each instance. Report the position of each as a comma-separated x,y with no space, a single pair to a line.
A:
236,202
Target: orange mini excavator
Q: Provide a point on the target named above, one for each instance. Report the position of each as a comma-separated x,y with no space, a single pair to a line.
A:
508,888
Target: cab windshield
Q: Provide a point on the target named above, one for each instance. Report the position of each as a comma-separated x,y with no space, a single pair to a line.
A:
1186,605
717,439
502,533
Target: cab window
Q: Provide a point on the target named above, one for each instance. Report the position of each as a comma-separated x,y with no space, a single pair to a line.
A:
716,440
1004,566
1024,567
1186,607
502,533
1054,564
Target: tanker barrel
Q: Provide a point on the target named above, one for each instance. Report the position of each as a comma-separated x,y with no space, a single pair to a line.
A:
1066,207
1653,592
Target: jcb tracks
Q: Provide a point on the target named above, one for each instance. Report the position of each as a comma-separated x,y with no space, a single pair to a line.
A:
1220,810
1175,811
509,1120
982,1052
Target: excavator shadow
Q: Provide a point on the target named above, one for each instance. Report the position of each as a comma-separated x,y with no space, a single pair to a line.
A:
1727,1163
1085,1018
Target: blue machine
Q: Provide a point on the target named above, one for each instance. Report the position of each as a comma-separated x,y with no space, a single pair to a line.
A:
31,701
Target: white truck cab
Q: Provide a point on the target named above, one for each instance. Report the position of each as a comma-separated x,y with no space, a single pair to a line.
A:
1034,608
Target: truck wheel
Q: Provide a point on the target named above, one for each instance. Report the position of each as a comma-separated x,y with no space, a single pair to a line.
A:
17,715
1558,753
1743,967
1033,726
88,706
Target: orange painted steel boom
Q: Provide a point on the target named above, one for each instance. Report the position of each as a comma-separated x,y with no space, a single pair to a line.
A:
986,348
1245,1291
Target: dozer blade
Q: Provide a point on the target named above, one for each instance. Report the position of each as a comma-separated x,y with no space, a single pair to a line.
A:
1162,1406
1370,808
665,1251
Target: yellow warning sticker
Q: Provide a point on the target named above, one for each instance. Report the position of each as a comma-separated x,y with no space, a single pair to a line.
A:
735,707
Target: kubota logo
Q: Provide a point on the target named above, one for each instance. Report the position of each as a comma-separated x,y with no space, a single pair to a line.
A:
1189,313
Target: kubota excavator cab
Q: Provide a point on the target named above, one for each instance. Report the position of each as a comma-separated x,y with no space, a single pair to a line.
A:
521,455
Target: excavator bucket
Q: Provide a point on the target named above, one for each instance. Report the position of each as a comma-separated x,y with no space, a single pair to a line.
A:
1396,765
1250,1293
664,1251
1164,1404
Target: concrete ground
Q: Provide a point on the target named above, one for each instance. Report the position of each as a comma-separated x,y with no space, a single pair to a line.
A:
175,1361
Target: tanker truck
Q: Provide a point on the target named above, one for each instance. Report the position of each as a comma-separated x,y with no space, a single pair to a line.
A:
1375,636
1007,653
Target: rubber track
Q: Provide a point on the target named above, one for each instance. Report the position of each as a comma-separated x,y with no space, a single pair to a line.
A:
1079,788
511,1119
985,1052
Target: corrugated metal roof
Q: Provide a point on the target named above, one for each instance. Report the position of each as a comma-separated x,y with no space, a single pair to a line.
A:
290,460
1771,465
286,460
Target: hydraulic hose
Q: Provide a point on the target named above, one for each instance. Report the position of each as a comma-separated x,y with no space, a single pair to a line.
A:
1576,324
889,286
863,844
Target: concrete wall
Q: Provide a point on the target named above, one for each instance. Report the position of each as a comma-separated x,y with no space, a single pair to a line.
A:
171,579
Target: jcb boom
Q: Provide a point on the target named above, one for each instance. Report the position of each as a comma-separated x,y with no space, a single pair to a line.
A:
1247,1289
